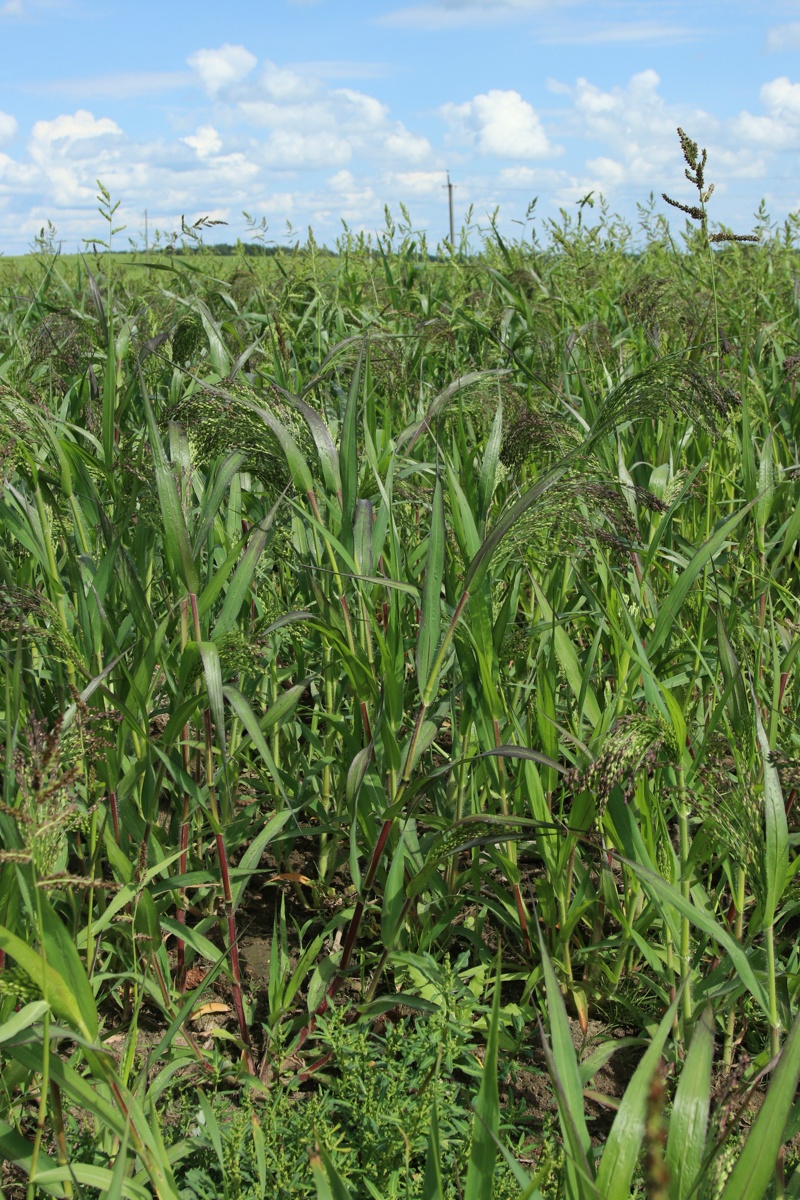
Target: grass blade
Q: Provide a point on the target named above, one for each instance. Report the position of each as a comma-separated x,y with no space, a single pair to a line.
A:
689,1120
483,1152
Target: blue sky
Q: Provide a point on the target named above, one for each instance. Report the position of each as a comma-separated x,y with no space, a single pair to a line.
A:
317,111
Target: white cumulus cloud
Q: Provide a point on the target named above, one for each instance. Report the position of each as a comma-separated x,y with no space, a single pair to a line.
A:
219,69
779,127
61,134
8,127
204,141
282,84
416,183
312,126
499,123
634,129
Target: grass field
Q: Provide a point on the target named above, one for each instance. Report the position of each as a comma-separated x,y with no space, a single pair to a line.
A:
399,712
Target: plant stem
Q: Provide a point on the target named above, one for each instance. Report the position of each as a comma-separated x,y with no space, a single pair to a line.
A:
686,892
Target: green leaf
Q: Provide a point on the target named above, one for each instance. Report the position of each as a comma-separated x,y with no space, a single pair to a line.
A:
766,488
284,706
220,359
491,456
776,866
327,1180
486,1122
430,619
99,1179
348,457
688,1123
243,576
737,704
246,715
212,670
565,1072
432,1188
568,659
212,499
672,604
362,537
393,895
175,533
438,405
298,467
16,1149
24,1019
326,450
58,971
252,855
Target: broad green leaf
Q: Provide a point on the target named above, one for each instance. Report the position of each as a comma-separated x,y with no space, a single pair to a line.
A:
146,924
176,535
737,704
30,1015
776,865
567,1080
432,1181
791,534
348,456
766,488
327,1180
486,1122
122,1114
99,1179
243,577
200,944
393,895
362,537
491,456
440,403
60,975
326,449
673,603
220,359
212,670
246,715
252,855
16,1149
283,707
480,564
212,499
298,467
430,617
688,1123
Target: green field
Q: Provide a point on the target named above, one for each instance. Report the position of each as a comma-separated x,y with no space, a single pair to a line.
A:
399,717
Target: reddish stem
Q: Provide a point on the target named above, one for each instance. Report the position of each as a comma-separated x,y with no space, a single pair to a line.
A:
112,804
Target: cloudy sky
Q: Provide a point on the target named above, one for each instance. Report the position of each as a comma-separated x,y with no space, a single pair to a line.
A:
317,111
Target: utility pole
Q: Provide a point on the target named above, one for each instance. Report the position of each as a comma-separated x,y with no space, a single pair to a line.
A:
146,239
449,187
